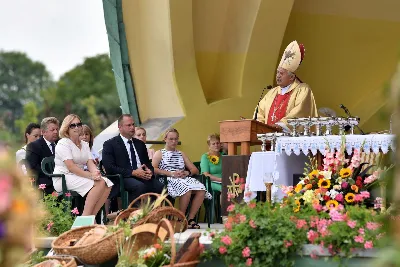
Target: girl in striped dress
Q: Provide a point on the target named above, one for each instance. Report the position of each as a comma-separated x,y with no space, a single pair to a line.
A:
178,168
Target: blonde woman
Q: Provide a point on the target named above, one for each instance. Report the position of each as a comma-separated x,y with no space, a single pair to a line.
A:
88,137
178,168
71,155
140,133
211,163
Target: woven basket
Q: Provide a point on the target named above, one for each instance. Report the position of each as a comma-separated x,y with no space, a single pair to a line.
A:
167,225
95,253
68,259
176,217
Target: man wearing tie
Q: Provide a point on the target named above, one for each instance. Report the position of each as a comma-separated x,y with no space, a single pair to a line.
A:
42,148
128,156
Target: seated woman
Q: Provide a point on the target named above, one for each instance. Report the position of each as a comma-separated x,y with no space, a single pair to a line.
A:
140,133
211,164
32,133
173,164
71,156
88,137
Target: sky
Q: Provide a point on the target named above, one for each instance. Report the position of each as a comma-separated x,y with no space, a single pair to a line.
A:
58,33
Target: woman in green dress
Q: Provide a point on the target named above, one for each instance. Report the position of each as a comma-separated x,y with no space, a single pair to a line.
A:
211,164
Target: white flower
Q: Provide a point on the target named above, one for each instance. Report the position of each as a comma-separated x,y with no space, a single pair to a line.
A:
301,182
332,193
337,187
326,174
308,196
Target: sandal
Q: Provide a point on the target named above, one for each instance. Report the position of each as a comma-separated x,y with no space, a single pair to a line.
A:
192,224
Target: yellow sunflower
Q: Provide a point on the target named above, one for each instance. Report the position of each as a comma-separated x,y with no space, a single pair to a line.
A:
213,159
324,183
298,188
313,174
332,202
349,197
345,172
298,205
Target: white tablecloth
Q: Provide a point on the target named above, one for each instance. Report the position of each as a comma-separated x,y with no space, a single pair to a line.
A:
271,167
369,142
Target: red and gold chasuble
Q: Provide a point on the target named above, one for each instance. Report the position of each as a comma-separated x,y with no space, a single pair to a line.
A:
278,108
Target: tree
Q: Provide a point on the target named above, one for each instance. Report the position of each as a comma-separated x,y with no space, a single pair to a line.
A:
30,114
21,80
87,90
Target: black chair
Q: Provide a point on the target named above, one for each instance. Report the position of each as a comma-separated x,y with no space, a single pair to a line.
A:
123,192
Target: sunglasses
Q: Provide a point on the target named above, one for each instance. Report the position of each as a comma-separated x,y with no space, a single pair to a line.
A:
74,125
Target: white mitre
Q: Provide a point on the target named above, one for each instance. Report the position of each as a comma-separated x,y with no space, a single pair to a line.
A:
292,57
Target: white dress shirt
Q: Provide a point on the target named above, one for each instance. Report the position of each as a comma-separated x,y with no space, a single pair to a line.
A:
284,89
49,145
128,148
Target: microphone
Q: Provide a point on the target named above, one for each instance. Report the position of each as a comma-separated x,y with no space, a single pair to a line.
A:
261,96
349,114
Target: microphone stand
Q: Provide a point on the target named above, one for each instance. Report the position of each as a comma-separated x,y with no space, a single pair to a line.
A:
349,115
258,103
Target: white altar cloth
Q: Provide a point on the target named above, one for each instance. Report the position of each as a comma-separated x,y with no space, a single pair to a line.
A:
271,167
305,144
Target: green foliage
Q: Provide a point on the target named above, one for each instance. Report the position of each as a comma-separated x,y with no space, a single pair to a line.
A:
266,230
30,114
59,217
21,80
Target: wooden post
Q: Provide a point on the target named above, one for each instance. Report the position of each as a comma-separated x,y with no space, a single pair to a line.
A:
232,149
245,148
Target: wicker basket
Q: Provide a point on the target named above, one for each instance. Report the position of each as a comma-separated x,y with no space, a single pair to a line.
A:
68,259
176,217
167,225
95,253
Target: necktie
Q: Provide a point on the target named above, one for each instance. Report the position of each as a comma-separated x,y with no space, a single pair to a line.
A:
53,148
133,155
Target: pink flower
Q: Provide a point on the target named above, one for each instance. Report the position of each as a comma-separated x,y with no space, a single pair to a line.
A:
335,215
287,243
54,194
5,187
312,235
355,160
228,226
226,240
242,187
252,205
344,185
42,186
222,250
249,262
368,245
248,194
361,231
365,194
232,196
68,194
246,252
237,180
252,224
317,206
242,181
301,224
372,225
212,234
339,197
75,211
378,203
242,218
359,239
231,208
49,225
314,255
286,189
351,224
358,198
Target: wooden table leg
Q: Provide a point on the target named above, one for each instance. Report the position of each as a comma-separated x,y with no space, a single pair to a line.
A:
231,149
245,148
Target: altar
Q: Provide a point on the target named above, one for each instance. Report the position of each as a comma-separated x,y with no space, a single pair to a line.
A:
289,155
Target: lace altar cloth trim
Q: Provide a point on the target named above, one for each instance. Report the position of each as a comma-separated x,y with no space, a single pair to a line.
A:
370,142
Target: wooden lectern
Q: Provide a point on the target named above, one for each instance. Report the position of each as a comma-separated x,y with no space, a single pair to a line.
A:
243,132
235,132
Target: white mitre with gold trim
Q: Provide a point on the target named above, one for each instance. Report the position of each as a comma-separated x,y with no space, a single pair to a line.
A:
292,57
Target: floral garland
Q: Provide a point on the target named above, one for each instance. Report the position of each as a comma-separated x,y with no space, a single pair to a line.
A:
213,159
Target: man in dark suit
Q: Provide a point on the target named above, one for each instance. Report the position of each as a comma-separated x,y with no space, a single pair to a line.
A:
128,156
42,148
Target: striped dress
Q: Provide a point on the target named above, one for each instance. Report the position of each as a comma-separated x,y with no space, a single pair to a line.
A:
173,161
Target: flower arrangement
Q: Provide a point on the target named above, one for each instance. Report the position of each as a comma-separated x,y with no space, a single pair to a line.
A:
59,214
259,234
156,255
18,213
340,181
213,159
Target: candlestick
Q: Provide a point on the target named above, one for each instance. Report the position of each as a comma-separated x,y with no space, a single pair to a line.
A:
268,187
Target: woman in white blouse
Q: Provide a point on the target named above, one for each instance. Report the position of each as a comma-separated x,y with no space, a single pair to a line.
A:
72,154
32,133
